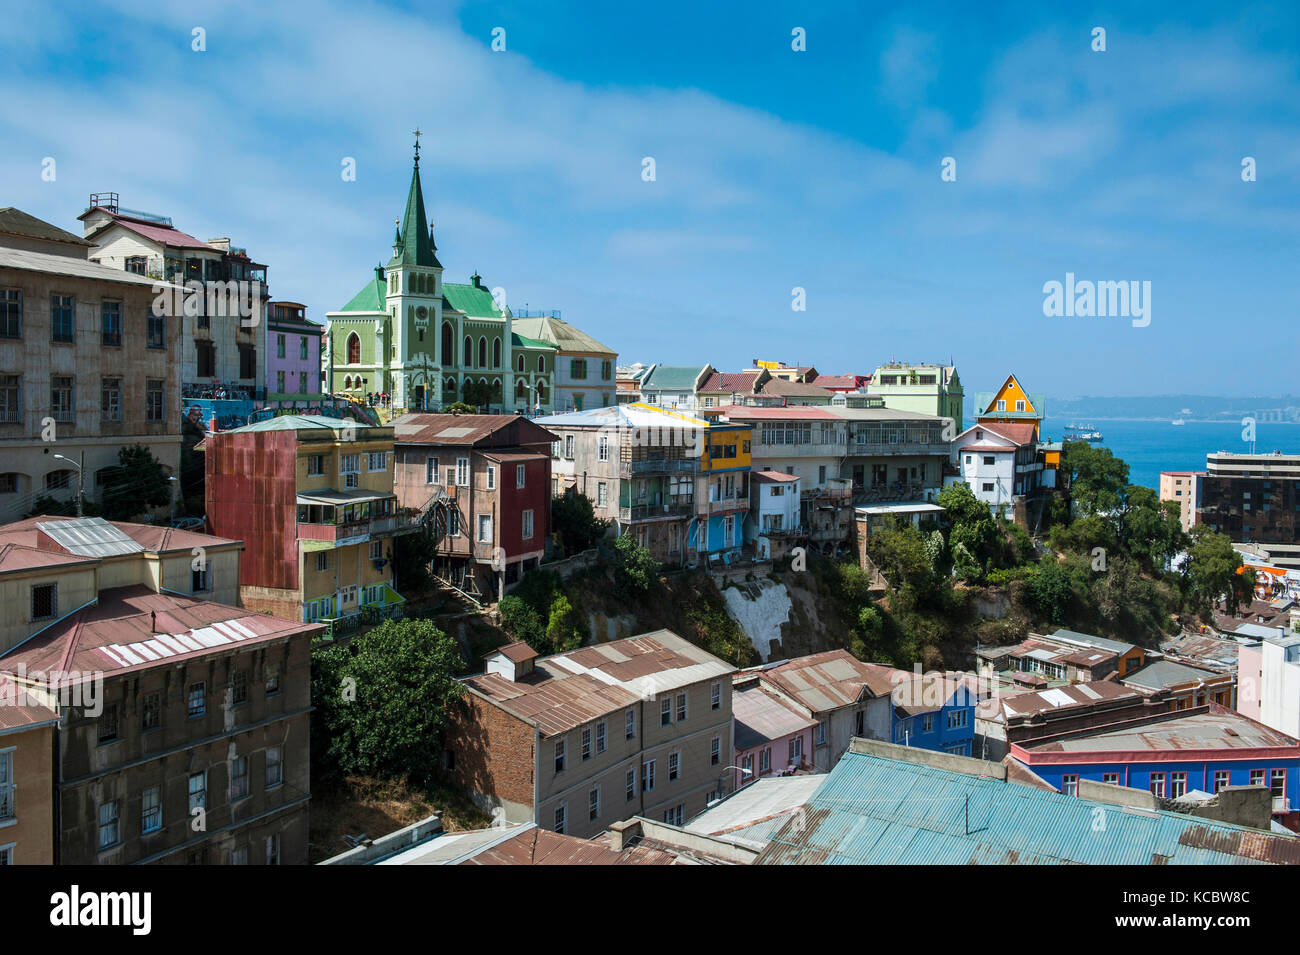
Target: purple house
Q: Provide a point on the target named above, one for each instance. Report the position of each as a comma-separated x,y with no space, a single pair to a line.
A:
293,353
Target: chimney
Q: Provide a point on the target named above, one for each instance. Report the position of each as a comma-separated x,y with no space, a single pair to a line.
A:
221,243
153,621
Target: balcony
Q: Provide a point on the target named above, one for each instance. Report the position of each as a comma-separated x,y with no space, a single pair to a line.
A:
350,532
657,466
655,512
897,449
729,504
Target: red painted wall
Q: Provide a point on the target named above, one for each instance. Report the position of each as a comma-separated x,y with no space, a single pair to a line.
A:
535,494
252,496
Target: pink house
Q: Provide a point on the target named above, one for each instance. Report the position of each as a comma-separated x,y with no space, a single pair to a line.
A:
771,736
292,352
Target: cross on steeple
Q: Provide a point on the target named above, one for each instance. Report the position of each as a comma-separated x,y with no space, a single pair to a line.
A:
417,135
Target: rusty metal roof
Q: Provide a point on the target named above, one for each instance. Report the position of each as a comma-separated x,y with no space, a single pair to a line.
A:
761,718
829,680
536,846
1218,729
568,689
873,810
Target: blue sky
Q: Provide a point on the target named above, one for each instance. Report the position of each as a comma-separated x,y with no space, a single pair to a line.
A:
774,168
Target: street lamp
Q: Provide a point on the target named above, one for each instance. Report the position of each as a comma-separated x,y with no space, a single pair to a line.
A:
743,773
171,500
81,481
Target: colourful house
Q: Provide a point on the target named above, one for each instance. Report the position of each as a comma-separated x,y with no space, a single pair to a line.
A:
1011,404
934,712
293,353
722,492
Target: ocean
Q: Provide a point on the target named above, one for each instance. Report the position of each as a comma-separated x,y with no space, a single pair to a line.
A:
1149,447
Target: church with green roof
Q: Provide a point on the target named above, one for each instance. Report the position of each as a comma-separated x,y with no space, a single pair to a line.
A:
427,343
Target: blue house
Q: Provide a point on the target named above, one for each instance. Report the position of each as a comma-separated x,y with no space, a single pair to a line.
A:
1203,749
932,712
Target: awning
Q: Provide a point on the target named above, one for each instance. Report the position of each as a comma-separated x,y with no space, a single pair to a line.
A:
343,498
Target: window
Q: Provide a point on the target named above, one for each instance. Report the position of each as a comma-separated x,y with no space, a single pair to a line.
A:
1112,778
631,724
110,319
859,723
600,737
62,321
323,560
239,856
989,459
462,472
485,529
927,723
453,523
1257,777
108,829
1070,784
602,448
593,804
631,784
674,766
1157,784
156,333
279,381
681,707
528,525
821,733
302,347
45,601
715,750
586,745
568,447
560,809
279,346
602,494
988,485
1177,785
154,399
10,399
61,399
110,399
1278,784
578,369
239,687
7,807
199,580
648,776
796,750
666,711
315,465
559,756
430,470
196,700
377,461
11,313
519,475
238,777
151,712
1020,406
107,726
715,695
151,810
198,791
1002,406
765,761
273,849
956,719
674,816
272,678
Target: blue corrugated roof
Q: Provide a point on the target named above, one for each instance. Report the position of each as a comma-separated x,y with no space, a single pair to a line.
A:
873,810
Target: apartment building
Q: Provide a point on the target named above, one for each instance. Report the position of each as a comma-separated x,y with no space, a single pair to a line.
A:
930,389
1184,489
722,491
319,494
584,368
183,721
1254,498
774,522
772,737
579,740
844,696
1269,675
999,462
292,354
640,466
481,485
27,730
86,368
222,345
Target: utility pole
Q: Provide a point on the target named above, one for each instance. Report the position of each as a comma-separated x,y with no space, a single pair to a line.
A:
81,483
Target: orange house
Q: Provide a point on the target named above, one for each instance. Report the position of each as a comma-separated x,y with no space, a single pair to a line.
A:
1011,403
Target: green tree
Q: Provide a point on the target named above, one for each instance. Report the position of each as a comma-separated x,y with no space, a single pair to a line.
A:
1211,568
574,521
1051,593
480,393
139,484
636,572
383,701
564,627
459,407
522,621
1097,478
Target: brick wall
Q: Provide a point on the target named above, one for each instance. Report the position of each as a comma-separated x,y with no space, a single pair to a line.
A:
493,757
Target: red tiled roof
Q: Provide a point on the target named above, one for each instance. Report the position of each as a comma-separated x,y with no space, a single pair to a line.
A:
1017,432
731,381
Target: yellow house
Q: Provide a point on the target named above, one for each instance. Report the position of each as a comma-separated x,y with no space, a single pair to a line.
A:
1010,404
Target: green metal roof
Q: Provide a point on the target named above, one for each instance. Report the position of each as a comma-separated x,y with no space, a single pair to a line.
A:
673,377
519,341
872,810
369,299
475,301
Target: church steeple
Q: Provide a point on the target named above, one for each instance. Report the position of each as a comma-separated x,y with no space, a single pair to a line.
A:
413,244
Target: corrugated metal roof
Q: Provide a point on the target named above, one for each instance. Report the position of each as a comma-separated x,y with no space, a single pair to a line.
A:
89,537
760,718
872,810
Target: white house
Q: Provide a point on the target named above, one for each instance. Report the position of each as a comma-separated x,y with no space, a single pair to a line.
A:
773,512
998,462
